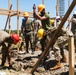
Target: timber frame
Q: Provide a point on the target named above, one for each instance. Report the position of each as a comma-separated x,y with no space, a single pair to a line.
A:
18,13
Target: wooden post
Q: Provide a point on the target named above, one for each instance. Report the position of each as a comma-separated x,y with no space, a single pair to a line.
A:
57,3
7,18
18,20
18,17
71,55
43,2
68,27
55,36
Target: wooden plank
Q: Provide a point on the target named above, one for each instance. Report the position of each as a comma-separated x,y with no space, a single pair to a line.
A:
57,3
13,13
17,17
71,56
55,36
6,12
9,26
2,9
7,18
43,2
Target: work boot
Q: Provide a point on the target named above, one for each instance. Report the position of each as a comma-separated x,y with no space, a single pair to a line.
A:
26,52
64,59
57,66
32,51
3,63
10,66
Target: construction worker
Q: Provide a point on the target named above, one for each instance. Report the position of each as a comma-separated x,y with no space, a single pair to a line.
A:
58,20
27,30
6,41
73,28
37,26
51,29
60,44
45,20
52,22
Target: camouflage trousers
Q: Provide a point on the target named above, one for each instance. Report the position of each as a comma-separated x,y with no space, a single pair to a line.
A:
59,46
5,54
29,38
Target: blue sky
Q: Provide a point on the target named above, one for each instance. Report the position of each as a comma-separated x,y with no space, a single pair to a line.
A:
26,5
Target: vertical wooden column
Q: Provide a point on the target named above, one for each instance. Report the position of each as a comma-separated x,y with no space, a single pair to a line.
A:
18,20
71,55
57,3
9,17
18,17
68,27
43,2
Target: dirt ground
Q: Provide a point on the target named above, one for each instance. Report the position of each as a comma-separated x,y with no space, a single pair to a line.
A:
22,64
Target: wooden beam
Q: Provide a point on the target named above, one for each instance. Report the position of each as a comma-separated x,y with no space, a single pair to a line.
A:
43,2
9,26
7,18
57,2
68,27
55,36
15,14
71,55
6,12
17,17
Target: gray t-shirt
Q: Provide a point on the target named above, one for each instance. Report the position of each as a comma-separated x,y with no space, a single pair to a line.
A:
3,35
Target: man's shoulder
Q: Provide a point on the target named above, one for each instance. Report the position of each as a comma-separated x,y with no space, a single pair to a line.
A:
29,20
23,19
47,15
2,31
3,34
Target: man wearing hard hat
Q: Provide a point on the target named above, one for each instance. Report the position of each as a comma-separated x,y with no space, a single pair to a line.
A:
45,21
27,30
58,20
59,45
6,41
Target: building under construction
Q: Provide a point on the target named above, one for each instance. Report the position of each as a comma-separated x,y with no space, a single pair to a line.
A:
28,64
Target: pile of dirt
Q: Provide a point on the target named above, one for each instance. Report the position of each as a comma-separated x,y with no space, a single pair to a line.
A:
22,64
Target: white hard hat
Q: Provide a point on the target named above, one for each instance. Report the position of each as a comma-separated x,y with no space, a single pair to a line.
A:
75,12
57,17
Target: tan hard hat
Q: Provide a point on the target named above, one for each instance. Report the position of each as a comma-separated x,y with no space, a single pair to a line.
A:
25,14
